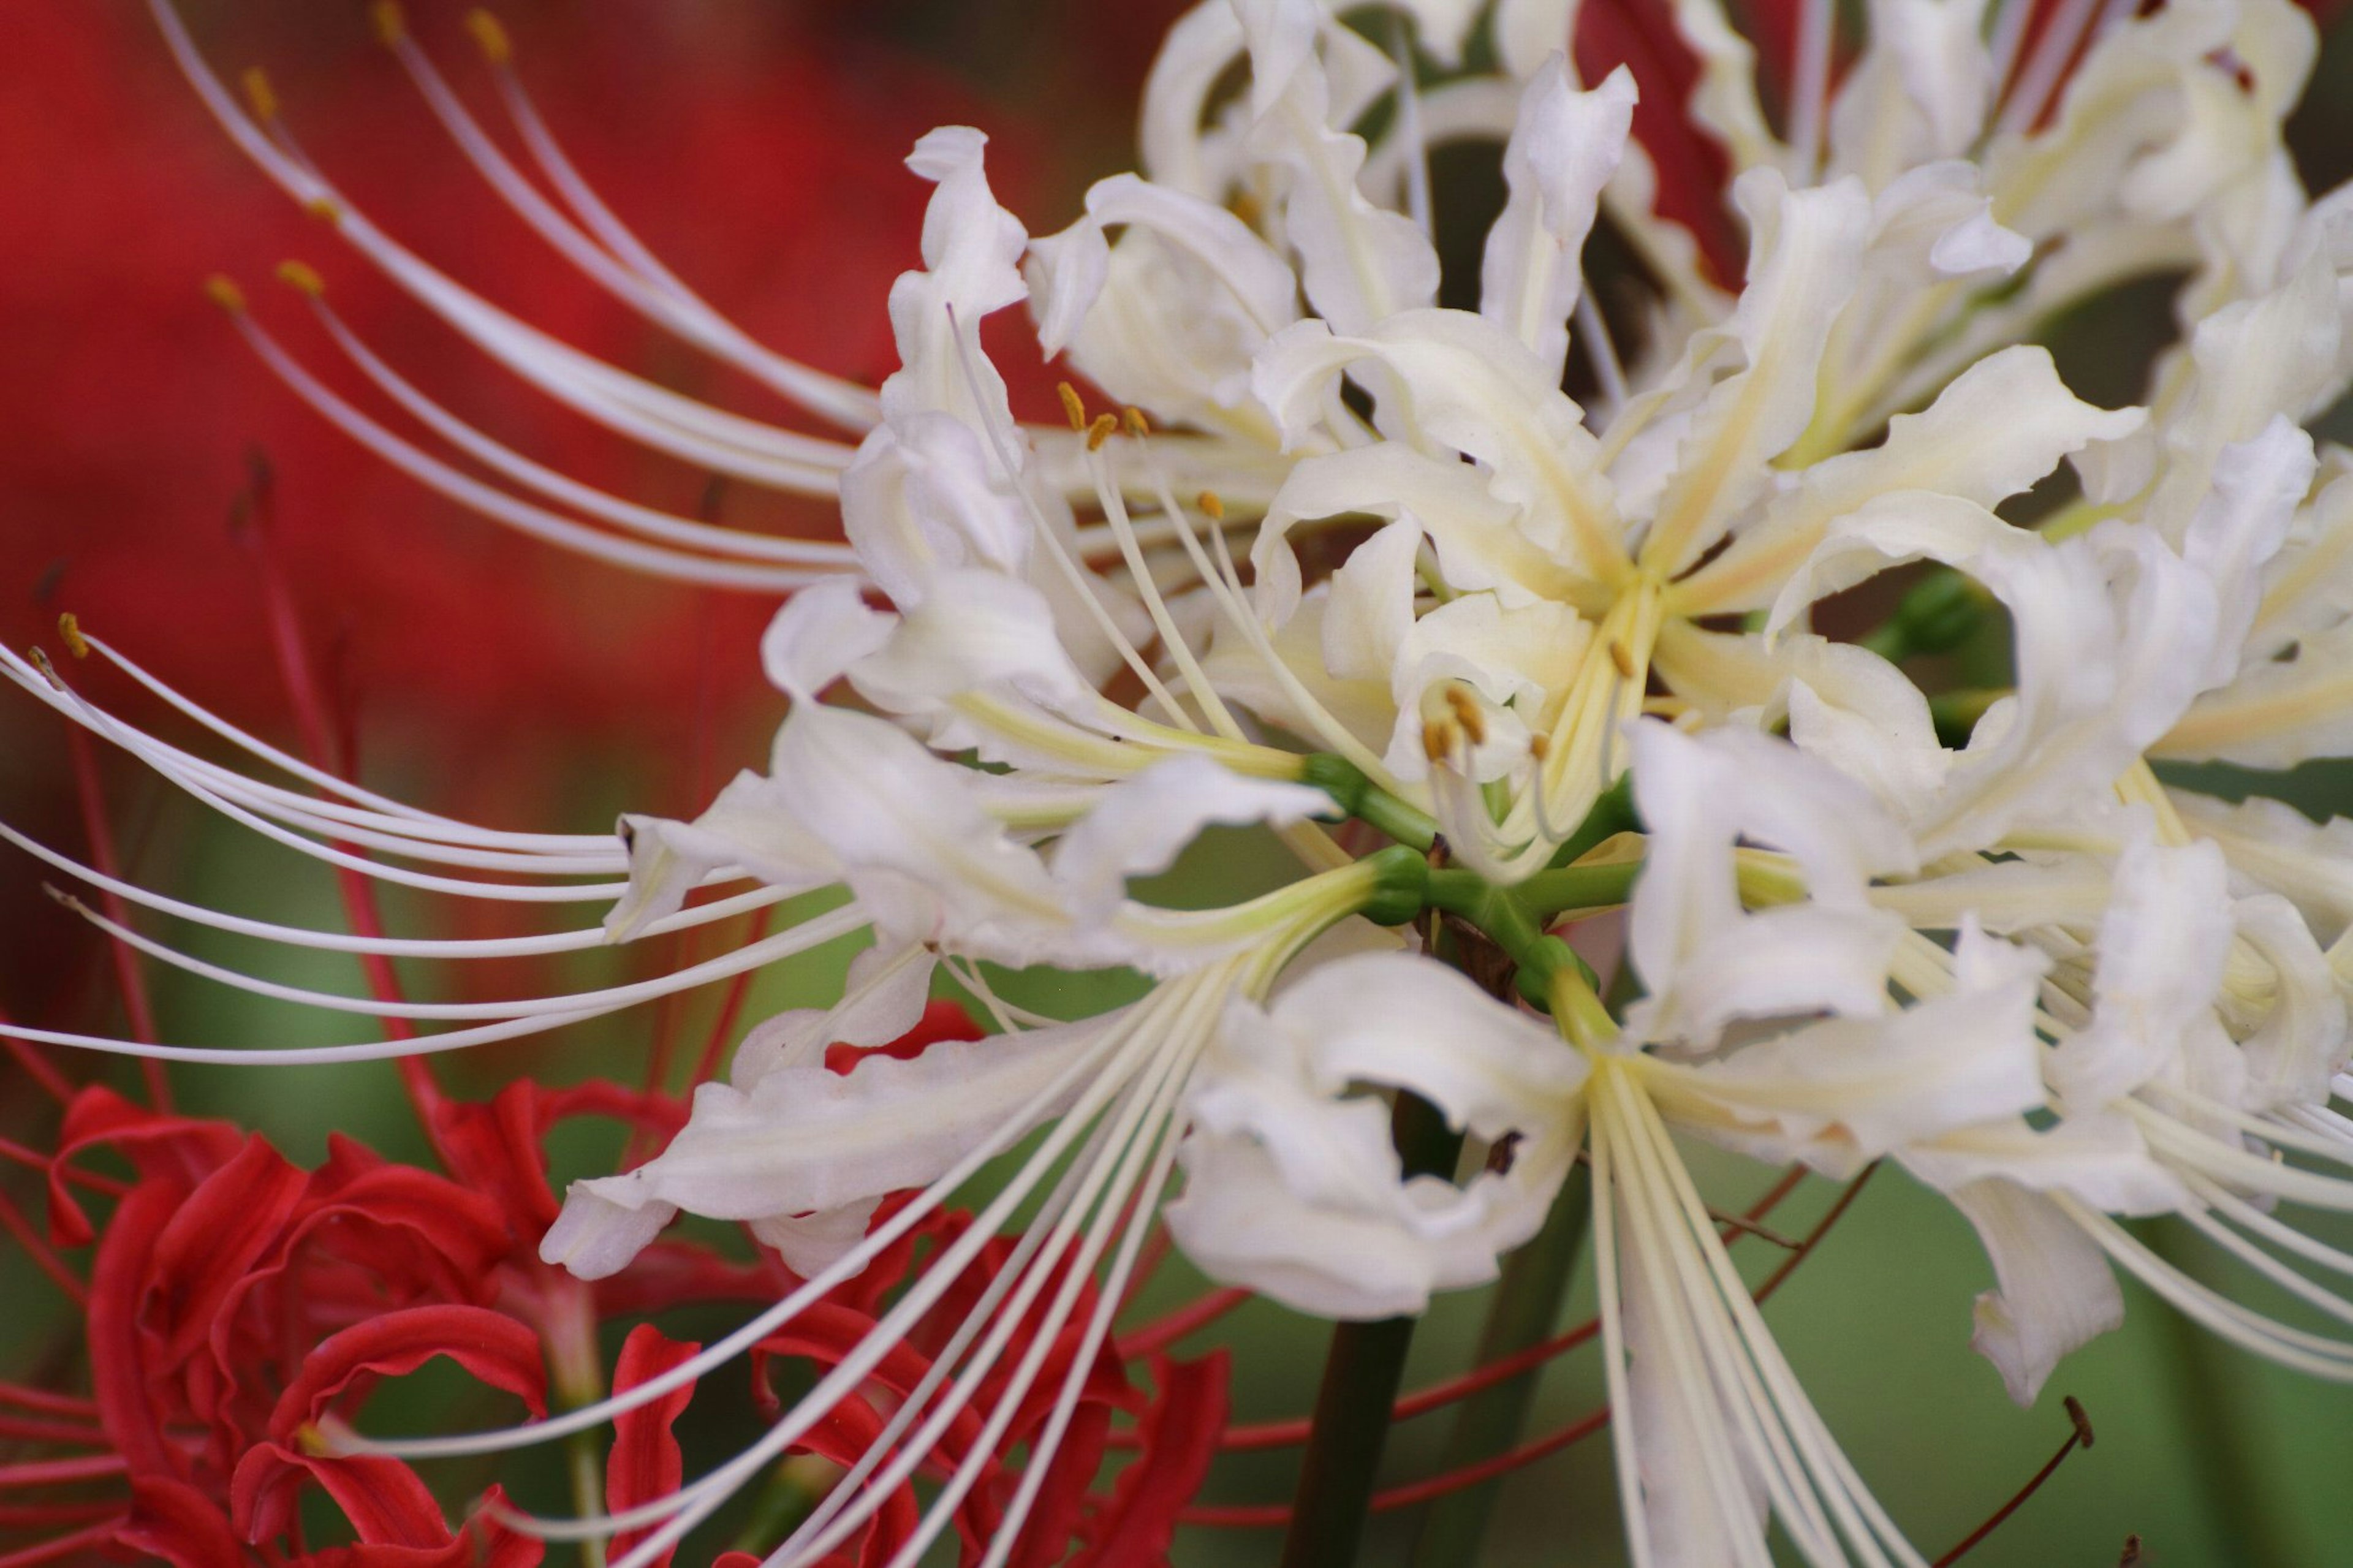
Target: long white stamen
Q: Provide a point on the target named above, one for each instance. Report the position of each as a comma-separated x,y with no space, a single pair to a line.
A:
1196,684
584,939
1115,1042
630,405
643,519
447,829
783,944
499,507
682,1508
1105,1181
853,408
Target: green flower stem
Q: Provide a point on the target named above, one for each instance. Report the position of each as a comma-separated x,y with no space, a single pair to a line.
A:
1361,1374
1526,1306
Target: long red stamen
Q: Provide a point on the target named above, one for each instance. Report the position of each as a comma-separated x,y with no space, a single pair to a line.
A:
314,717
25,1516
37,1066
27,1429
50,1472
1166,1331
50,1551
2080,1437
26,1398
136,1005
11,1150
12,1220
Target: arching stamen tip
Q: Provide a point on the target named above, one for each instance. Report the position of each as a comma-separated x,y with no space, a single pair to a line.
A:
69,628
1105,427
489,36
223,291
302,276
1137,424
260,95
1211,506
1074,407
326,209
2082,1422
391,27
59,897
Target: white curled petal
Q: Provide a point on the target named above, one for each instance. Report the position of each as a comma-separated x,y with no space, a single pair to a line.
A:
923,497
2056,1292
976,631
817,635
2274,848
1359,263
883,997
1240,1225
1140,824
972,256
1370,612
1997,428
1389,1018
1300,1193
751,826
1806,248
808,1140
594,1238
907,830
1563,150
2162,944
2300,1046
812,1243
1842,1093
1459,382
2258,484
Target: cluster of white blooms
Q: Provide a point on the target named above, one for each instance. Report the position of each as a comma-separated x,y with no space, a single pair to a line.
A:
1346,563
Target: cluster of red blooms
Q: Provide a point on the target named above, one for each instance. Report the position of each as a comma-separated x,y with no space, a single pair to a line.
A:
240,1310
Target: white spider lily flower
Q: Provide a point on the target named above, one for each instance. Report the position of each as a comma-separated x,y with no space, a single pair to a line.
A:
1290,1186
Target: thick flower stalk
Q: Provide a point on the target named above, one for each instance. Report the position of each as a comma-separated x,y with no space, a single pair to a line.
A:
1318,554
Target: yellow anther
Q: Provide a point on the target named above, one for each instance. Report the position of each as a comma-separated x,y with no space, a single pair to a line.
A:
391,27
301,275
69,628
1246,207
1211,507
1467,713
1539,745
1437,736
1137,424
312,1440
225,294
1074,407
326,209
41,662
489,36
1622,656
1105,427
258,95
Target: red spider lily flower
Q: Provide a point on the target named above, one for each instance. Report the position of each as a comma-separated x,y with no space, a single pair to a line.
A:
241,1310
